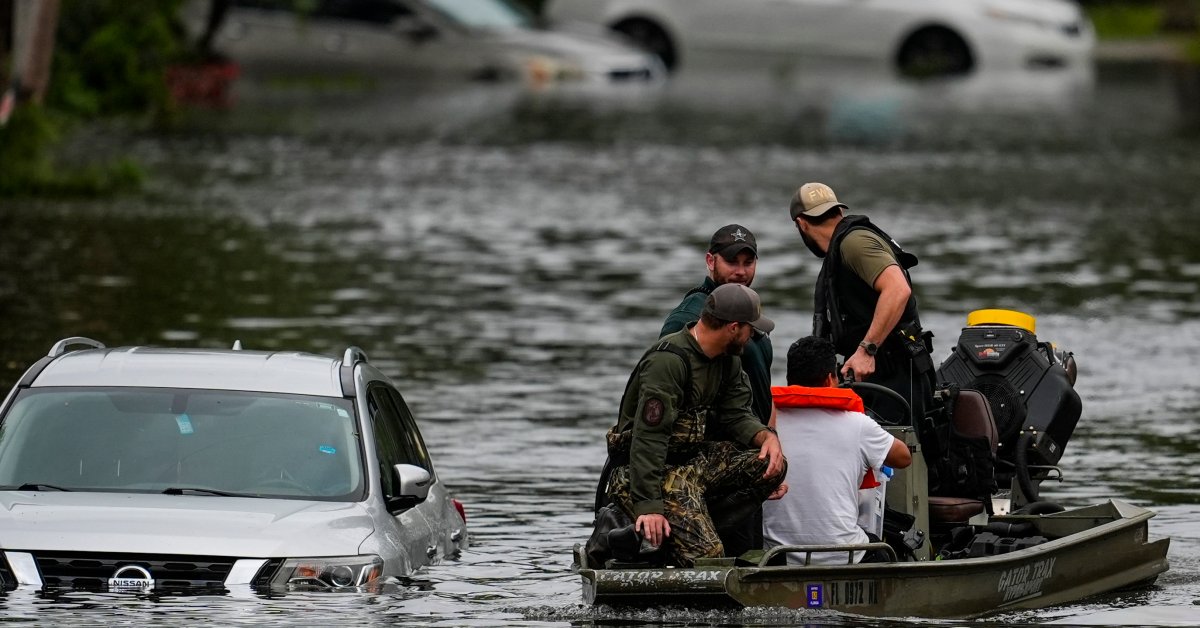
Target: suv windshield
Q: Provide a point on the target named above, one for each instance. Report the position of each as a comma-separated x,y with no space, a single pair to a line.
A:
182,441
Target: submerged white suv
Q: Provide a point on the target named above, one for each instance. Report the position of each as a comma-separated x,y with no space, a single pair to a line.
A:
194,470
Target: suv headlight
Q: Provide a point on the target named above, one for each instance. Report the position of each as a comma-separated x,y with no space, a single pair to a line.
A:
334,572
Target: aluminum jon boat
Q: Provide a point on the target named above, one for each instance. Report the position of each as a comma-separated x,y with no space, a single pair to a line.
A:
1094,550
953,556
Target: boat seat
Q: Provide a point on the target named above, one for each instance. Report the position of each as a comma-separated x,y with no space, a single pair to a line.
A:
972,418
953,509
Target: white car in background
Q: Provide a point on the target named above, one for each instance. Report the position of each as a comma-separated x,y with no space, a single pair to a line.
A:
915,37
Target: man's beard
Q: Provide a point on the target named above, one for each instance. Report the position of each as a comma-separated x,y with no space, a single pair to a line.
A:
812,245
735,347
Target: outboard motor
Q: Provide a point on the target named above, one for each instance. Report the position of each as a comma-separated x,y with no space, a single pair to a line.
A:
1030,386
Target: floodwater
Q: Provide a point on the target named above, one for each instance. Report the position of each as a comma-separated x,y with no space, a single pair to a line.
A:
506,255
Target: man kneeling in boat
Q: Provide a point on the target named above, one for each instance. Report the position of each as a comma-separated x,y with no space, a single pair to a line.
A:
830,443
668,476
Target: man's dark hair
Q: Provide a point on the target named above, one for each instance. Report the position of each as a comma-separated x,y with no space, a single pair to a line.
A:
712,322
809,361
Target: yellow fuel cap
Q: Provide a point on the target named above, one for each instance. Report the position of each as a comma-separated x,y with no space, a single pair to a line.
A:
1003,317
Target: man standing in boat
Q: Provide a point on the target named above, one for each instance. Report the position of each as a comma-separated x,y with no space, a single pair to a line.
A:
668,474
864,304
832,445
732,257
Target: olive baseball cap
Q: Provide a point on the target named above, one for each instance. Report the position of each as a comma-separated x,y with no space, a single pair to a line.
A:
813,200
736,303
730,240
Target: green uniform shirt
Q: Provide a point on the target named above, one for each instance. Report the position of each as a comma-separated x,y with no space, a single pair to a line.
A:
651,409
865,253
756,359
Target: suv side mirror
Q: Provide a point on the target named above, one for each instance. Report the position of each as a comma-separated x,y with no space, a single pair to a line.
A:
414,483
414,29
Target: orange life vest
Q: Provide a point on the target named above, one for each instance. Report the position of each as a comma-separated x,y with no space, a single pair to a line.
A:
823,397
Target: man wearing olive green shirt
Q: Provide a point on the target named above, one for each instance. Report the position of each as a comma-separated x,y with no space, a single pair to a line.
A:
865,305
667,470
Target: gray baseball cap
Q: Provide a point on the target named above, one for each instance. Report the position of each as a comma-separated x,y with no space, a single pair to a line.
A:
813,200
737,303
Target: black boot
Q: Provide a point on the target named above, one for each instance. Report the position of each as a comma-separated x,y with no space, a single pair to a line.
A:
599,548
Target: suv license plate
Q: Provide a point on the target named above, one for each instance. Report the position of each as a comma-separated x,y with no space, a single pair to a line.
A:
130,585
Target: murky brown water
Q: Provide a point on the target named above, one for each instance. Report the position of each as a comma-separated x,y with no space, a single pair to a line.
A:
506,257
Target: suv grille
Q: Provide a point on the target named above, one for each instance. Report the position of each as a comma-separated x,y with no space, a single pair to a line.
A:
90,572
8,581
262,580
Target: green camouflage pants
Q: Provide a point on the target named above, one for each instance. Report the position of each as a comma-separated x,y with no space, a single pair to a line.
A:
723,482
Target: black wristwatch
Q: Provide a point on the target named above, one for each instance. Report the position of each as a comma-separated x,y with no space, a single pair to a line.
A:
870,347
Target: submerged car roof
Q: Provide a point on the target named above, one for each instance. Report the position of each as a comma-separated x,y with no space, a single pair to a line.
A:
276,372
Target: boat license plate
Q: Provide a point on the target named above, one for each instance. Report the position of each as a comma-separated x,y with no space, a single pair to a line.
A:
130,585
852,593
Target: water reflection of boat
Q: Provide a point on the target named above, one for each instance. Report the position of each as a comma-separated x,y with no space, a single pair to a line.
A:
954,557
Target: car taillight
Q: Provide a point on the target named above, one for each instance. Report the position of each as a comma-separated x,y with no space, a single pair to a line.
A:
462,512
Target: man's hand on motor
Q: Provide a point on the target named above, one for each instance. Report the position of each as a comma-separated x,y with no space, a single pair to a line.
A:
779,491
653,528
861,363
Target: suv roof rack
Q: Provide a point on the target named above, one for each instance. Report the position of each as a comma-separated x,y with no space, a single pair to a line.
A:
57,350
60,347
353,356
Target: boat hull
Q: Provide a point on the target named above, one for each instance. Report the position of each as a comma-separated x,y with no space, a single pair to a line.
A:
1098,549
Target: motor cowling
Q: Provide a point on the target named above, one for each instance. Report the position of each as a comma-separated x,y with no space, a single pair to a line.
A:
1028,384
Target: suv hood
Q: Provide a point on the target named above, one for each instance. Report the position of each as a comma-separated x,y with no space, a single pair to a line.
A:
180,524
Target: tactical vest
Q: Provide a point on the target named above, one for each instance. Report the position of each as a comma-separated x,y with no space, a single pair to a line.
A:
691,417
845,304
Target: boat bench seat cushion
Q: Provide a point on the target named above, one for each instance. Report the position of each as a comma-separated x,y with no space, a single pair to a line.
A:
953,509
973,417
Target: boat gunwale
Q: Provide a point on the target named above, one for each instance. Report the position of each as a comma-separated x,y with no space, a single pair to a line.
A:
1123,516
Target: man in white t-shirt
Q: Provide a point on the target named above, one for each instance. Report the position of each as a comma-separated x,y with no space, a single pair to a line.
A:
830,445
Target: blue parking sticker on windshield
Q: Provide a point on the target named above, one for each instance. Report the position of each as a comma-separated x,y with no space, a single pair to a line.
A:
327,449
185,424
342,413
816,595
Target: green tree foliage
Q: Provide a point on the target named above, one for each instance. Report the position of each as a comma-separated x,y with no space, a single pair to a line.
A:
111,56
110,60
26,144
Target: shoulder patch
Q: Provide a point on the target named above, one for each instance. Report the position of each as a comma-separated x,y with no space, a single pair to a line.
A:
652,412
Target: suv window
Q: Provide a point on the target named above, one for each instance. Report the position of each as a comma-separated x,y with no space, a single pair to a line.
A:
397,440
154,439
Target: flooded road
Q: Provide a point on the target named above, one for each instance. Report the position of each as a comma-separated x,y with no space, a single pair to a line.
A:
506,257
